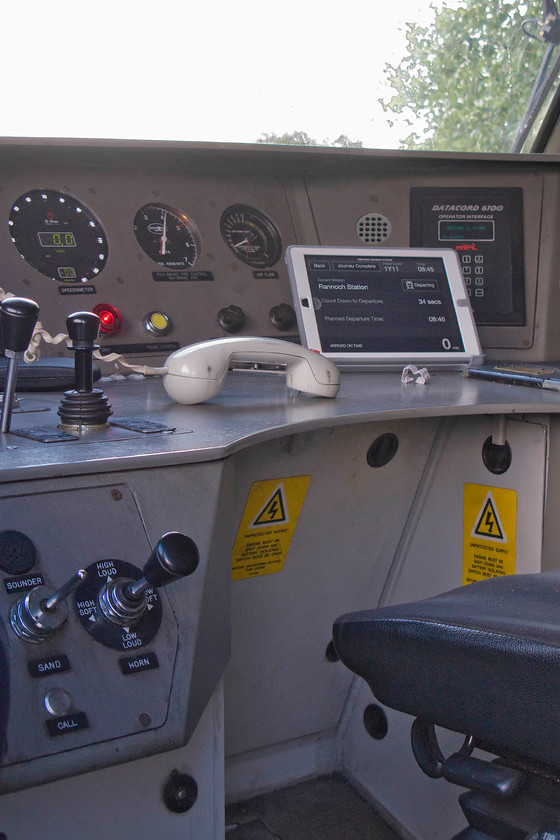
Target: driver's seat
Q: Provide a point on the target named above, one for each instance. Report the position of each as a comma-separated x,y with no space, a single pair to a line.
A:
484,661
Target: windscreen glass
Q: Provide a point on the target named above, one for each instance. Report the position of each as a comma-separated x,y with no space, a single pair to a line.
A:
417,74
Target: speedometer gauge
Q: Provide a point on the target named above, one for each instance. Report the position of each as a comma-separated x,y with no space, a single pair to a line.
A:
166,235
58,236
251,236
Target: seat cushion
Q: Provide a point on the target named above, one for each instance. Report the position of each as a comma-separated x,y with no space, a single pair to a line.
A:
483,660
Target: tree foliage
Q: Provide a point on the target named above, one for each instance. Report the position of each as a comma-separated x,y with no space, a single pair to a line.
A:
302,138
466,78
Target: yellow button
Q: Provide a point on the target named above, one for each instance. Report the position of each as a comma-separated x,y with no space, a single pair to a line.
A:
157,322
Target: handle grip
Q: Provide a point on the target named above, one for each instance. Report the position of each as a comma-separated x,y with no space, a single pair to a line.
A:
175,556
18,317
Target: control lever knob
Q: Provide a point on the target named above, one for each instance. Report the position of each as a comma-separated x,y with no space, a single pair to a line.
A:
83,329
18,317
37,616
84,407
175,556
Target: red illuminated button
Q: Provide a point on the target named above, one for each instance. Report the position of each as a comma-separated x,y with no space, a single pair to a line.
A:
110,319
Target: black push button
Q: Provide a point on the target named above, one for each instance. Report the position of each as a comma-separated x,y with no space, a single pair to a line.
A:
66,724
52,665
135,664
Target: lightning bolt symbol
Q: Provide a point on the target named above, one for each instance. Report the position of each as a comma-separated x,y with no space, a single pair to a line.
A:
489,521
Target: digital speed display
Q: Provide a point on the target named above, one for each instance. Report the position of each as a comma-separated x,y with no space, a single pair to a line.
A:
56,240
389,304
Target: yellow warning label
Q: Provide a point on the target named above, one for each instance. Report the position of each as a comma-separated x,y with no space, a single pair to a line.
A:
489,532
489,524
274,511
267,526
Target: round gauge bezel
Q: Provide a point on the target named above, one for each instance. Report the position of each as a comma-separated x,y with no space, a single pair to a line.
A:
58,236
259,224
185,249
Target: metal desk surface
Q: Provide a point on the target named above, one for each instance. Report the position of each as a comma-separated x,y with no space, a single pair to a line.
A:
250,408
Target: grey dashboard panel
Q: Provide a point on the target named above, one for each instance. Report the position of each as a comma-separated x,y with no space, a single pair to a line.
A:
251,408
299,196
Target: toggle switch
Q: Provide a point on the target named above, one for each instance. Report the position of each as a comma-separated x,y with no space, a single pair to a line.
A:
37,616
123,601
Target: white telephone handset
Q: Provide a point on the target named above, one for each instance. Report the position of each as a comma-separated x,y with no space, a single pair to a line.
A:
197,372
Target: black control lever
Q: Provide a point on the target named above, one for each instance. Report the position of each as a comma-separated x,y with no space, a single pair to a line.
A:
85,406
18,317
123,601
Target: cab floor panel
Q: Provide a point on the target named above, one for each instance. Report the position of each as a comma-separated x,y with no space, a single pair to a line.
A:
327,808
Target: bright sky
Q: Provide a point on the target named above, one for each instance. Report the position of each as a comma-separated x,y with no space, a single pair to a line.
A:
215,70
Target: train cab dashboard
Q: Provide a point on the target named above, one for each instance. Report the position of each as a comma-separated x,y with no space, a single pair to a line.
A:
85,222
301,507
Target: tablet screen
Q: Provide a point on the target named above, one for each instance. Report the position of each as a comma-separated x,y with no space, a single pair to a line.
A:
378,306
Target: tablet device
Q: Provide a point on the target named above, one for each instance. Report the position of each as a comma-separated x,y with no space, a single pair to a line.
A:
383,308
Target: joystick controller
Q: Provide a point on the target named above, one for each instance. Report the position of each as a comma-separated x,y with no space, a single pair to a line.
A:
84,407
123,601
18,317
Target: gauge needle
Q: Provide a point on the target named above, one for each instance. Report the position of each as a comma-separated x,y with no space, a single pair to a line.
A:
163,248
243,242
250,239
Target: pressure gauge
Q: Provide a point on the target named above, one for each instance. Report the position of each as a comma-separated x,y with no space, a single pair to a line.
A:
251,236
167,236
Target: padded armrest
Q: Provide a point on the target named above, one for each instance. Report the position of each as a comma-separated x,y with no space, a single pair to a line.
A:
483,660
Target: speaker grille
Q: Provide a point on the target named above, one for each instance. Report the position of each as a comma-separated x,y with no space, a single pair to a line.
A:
17,553
373,228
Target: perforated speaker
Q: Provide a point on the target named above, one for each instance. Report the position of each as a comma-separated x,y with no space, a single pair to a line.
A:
373,228
17,553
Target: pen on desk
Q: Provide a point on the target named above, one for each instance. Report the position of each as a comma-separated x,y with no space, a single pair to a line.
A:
551,384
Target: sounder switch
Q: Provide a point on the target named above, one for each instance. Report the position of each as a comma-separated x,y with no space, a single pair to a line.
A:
37,616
